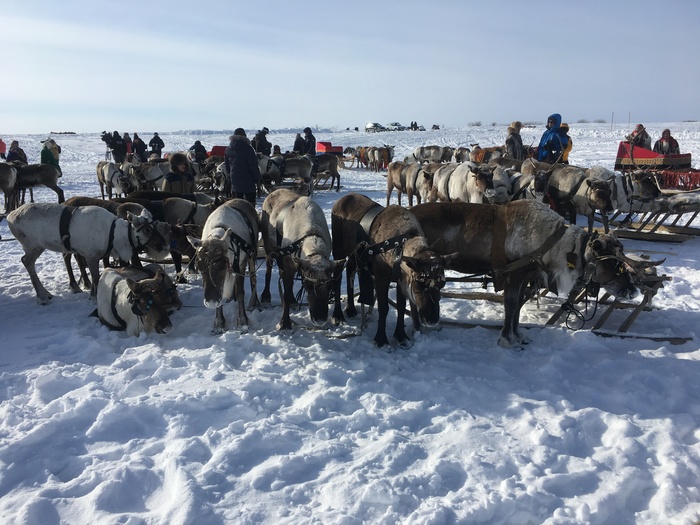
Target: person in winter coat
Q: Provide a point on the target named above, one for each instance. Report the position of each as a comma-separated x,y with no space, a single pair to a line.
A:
156,144
564,132
3,149
129,143
298,144
198,152
242,166
260,143
180,179
118,147
552,143
139,147
50,153
309,143
639,137
16,154
514,142
667,145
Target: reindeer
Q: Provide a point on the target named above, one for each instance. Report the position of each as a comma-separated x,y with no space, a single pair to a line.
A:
520,243
90,231
295,235
226,252
8,180
387,243
31,175
136,300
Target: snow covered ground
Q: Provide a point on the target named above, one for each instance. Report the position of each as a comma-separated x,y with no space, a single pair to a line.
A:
262,428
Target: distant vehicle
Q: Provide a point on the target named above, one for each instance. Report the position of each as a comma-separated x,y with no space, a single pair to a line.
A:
395,126
373,127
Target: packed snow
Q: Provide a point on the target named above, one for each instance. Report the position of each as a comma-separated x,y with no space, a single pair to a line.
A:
321,426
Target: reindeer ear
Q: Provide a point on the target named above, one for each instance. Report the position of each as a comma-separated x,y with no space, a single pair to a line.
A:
194,241
301,264
133,285
412,262
447,259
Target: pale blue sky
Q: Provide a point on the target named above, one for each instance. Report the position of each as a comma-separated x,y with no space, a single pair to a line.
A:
86,66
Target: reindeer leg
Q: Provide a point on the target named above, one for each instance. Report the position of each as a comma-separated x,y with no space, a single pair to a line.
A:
254,301
512,311
382,295
337,316
29,261
519,337
350,309
82,265
219,321
177,261
239,291
400,330
74,286
94,267
288,298
266,298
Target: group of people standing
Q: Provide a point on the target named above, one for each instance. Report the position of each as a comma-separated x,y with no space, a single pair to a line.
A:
123,145
554,146
15,154
242,161
50,153
305,145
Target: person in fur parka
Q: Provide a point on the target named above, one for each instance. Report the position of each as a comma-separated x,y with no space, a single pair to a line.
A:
180,179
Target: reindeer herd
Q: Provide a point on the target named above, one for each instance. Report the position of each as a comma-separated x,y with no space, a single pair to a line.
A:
485,218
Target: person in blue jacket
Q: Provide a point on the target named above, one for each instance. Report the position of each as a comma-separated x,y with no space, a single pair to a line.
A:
552,143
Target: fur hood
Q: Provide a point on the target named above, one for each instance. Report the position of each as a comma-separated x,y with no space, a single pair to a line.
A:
177,159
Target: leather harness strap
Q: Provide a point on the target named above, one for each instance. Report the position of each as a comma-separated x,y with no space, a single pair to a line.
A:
64,226
368,219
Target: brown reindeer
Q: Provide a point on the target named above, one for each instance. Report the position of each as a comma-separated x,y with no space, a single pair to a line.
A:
395,251
8,179
519,243
30,176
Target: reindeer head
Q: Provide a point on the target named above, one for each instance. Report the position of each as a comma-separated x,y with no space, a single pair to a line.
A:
483,178
613,270
317,274
422,278
600,195
152,299
154,237
215,259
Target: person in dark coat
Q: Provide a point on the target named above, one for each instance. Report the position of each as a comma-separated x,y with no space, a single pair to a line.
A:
16,154
667,145
118,147
242,166
198,152
156,144
514,142
552,143
129,143
639,137
260,143
298,144
139,147
309,143
180,179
